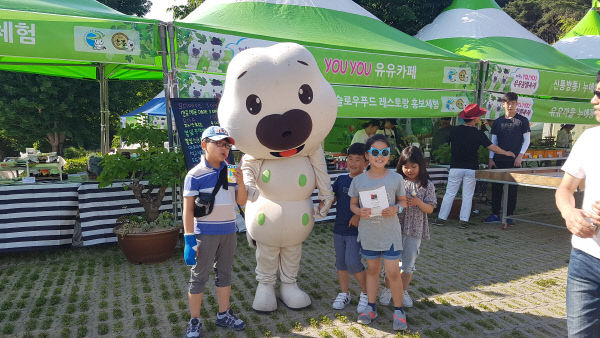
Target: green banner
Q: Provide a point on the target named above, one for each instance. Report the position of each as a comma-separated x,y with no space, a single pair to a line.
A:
35,35
341,134
542,110
211,52
396,103
527,81
368,69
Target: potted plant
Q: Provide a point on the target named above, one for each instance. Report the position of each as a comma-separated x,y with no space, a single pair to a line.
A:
148,172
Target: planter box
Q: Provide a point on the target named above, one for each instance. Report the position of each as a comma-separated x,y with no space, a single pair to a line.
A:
149,247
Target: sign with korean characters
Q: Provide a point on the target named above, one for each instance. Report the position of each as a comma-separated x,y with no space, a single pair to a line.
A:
68,39
353,101
192,116
211,52
542,110
399,103
503,78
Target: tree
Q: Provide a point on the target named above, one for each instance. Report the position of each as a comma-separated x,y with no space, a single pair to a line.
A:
548,19
129,7
180,12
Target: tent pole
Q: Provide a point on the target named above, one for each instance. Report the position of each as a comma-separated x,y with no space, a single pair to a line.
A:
174,85
482,74
162,30
104,111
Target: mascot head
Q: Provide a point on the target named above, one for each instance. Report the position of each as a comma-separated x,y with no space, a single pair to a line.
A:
276,103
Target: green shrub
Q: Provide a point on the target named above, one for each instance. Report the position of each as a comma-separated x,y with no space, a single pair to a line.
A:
75,165
74,152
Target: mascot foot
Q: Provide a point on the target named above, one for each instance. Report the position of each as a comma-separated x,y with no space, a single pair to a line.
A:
264,299
293,297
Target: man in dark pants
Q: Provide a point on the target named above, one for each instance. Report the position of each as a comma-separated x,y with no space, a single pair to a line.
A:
510,132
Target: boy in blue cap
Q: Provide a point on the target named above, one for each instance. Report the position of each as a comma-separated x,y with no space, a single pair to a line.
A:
211,239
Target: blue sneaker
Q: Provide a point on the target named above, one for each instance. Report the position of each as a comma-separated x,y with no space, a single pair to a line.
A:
229,320
510,222
493,219
194,328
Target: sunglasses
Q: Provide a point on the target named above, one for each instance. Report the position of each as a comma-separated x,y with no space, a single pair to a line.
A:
376,152
597,93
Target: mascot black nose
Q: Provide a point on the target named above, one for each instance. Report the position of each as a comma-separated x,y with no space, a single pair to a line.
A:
284,131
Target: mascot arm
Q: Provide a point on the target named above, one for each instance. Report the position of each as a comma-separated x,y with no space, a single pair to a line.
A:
250,169
317,160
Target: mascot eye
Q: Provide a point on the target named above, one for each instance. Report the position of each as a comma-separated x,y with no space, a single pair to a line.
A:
253,104
305,94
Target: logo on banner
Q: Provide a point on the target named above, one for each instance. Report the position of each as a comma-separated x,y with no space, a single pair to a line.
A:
457,75
525,81
454,104
106,41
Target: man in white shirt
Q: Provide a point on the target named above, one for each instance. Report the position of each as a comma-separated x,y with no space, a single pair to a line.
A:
583,282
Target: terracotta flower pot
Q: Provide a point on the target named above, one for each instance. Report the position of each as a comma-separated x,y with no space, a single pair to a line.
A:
149,247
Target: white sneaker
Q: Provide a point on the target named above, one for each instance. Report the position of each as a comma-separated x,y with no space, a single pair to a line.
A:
406,300
385,297
363,302
341,300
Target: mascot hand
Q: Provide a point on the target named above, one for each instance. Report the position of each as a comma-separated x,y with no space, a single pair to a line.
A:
251,241
190,250
325,209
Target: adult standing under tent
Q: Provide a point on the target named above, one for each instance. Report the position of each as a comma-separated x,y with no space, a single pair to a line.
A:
90,41
516,61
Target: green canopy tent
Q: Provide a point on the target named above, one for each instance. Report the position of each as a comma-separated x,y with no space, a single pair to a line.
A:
376,70
81,39
582,43
518,60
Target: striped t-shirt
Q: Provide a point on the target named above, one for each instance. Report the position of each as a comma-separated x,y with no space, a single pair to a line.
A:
203,178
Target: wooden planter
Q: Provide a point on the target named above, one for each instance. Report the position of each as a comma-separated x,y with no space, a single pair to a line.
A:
148,247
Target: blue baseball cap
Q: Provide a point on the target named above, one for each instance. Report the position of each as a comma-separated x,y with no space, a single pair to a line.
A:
217,133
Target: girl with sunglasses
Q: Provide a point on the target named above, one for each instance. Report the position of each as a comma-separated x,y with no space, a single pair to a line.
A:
380,236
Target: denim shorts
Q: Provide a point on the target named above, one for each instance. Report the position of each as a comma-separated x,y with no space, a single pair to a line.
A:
347,254
410,252
389,254
583,295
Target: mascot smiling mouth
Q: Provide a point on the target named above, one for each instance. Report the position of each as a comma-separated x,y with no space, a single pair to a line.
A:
288,153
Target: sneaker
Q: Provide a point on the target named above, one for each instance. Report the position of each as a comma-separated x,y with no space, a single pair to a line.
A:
229,320
510,222
493,219
439,222
363,302
368,316
194,328
385,297
463,225
400,320
341,301
406,300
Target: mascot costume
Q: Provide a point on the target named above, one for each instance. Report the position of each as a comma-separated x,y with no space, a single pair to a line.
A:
278,107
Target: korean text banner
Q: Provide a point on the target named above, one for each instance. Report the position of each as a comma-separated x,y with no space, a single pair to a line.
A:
34,35
527,81
192,116
542,110
211,52
353,101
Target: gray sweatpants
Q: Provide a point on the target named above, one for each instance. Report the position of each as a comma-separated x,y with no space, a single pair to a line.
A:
217,251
